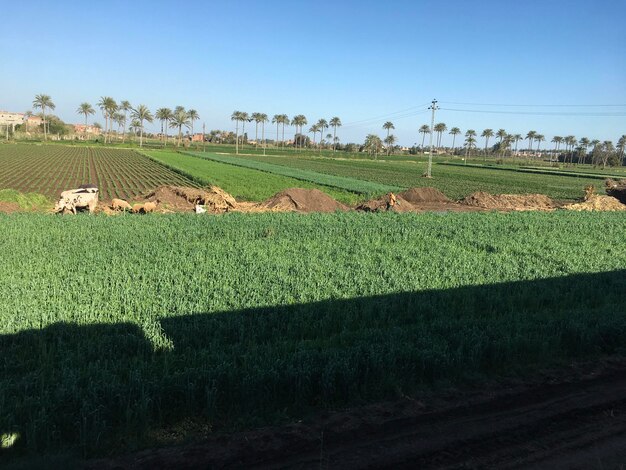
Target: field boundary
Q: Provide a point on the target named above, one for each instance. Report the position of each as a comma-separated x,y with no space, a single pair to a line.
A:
532,170
341,182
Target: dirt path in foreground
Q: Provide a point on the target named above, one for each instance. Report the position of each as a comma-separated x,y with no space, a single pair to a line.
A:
565,419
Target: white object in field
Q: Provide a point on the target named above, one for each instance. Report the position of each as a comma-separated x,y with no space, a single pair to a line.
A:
77,199
200,209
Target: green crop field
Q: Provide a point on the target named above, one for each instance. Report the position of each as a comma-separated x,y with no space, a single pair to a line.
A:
243,183
456,181
141,323
51,169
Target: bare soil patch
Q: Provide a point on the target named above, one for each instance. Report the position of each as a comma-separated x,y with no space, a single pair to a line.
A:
184,199
9,207
510,202
564,418
303,200
424,195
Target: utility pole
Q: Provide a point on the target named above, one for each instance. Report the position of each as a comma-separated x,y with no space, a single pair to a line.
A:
203,139
433,106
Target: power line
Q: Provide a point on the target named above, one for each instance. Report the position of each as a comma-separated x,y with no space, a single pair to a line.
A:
539,105
537,113
388,115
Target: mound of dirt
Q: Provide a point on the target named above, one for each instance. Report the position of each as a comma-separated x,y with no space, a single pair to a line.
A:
303,200
510,202
597,203
388,202
180,198
423,195
9,207
616,189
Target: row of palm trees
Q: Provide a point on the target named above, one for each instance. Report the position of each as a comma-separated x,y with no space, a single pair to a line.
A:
282,120
114,113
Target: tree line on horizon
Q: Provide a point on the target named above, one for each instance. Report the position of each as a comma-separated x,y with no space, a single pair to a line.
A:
178,118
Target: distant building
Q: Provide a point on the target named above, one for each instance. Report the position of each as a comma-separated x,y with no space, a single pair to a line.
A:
197,138
82,129
11,119
33,122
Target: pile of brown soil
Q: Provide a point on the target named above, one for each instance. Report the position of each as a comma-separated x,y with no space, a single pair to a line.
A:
597,203
9,207
388,202
616,189
179,198
423,195
302,200
510,202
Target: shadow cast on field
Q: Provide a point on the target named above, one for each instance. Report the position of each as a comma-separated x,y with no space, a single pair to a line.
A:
97,387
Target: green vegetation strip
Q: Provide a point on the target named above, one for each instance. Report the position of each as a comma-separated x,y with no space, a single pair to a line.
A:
456,181
243,183
117,326
342,182
523,169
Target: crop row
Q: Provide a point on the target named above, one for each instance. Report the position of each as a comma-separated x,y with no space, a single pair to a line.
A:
334,181
456,181
236,320
243,183
49,170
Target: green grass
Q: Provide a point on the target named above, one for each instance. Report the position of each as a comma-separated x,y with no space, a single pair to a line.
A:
243,183
27,202
243,320
366,188
456,181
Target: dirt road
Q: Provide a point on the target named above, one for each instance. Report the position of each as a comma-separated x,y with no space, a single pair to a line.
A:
566,419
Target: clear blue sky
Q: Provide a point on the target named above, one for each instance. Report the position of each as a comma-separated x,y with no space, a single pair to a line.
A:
353,59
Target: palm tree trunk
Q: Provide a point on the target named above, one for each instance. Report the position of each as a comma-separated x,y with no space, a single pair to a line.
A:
256,135
237,137
263,135
423,137
453,139
43,111
334,139
282,142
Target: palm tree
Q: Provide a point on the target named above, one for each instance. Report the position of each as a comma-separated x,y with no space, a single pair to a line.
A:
388,126
262,118
193,116
276,120
321,125
125,107
86,110
44,102
141,114
244,118
298,121
517,138
283,119
454,132
469,141
539,138
120,120
134,126
556,140
179,119
531,136
621,145
501,134
163,115
584,145
390,140
570,141
256,117
108,106
373,144
486,134
440,128
237,117
425,129
335,123
314,129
